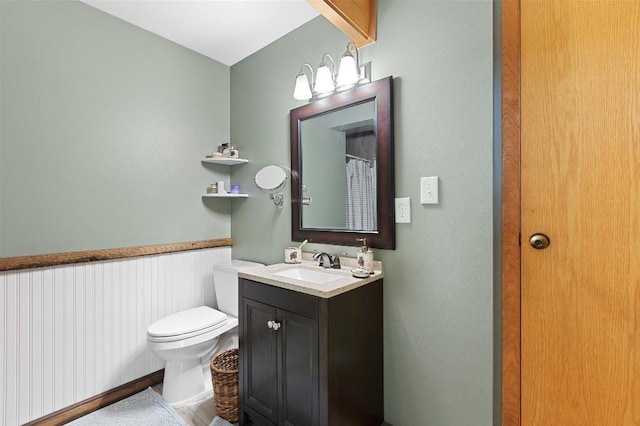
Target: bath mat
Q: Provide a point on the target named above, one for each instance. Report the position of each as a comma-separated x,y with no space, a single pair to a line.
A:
144,408
219,421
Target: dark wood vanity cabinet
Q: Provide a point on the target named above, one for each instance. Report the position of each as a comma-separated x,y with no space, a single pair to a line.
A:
310,361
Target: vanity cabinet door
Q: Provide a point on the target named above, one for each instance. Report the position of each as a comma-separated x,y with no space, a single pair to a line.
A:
260,359
298,369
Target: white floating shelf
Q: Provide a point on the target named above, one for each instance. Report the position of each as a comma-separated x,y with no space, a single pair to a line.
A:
225,195
225,160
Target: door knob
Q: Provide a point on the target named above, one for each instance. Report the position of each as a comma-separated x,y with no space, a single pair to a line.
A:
539,241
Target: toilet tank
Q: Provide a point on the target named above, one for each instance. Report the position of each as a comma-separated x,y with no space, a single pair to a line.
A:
225,281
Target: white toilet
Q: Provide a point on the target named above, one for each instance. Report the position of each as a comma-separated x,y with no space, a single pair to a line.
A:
187,340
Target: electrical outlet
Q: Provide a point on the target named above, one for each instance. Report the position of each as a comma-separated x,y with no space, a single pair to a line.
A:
403,210
429,190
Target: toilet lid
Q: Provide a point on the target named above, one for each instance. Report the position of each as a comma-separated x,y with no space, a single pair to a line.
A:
187,322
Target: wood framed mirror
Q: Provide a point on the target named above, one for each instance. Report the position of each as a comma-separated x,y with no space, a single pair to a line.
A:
342,167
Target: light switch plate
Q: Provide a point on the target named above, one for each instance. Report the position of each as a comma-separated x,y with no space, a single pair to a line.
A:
403,210
429,190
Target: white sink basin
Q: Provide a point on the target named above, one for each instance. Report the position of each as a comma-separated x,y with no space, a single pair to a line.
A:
309,275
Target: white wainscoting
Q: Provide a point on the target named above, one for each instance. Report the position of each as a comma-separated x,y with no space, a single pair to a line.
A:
71,332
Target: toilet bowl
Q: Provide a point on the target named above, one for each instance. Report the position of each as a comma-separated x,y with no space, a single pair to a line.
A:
187,340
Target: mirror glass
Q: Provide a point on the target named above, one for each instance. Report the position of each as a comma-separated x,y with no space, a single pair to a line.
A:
339,163
342,167
270,178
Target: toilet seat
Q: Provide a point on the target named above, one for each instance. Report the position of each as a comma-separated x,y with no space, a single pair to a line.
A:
186,324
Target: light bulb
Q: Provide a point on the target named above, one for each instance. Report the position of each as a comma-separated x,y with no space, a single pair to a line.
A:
348,71
324,80
302,90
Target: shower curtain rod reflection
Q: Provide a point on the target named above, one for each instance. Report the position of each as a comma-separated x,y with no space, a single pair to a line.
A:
357,158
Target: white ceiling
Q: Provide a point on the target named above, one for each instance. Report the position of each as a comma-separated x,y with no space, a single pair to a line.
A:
225,30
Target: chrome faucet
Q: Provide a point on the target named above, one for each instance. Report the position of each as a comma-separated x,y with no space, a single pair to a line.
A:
326,261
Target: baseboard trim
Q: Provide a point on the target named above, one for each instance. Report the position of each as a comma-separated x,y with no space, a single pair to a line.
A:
99,401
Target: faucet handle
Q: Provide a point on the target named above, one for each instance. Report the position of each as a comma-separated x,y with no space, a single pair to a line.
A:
335,263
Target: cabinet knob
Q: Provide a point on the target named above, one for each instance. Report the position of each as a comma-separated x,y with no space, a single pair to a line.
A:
273,325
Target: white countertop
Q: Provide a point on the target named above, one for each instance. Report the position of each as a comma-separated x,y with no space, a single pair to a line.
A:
333,288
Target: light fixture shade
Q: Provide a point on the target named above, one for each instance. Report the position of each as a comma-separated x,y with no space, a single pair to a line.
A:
348,71
324,79
302,89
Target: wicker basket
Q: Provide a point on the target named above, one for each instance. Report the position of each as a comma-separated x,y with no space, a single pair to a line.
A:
224,374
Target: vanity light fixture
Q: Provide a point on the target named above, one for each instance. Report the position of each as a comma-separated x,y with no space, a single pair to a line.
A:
324,76
350,73
302,90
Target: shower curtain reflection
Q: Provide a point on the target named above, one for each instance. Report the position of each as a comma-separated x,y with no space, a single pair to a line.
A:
361,195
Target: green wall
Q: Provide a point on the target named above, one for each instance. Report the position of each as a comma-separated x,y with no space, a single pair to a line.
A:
438,305
103,126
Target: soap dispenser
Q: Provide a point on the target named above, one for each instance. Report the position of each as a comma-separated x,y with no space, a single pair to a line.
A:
364,256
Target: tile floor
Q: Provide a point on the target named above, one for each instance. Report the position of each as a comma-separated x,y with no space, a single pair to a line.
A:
200,414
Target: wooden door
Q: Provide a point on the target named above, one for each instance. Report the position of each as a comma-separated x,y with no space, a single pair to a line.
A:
580,171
